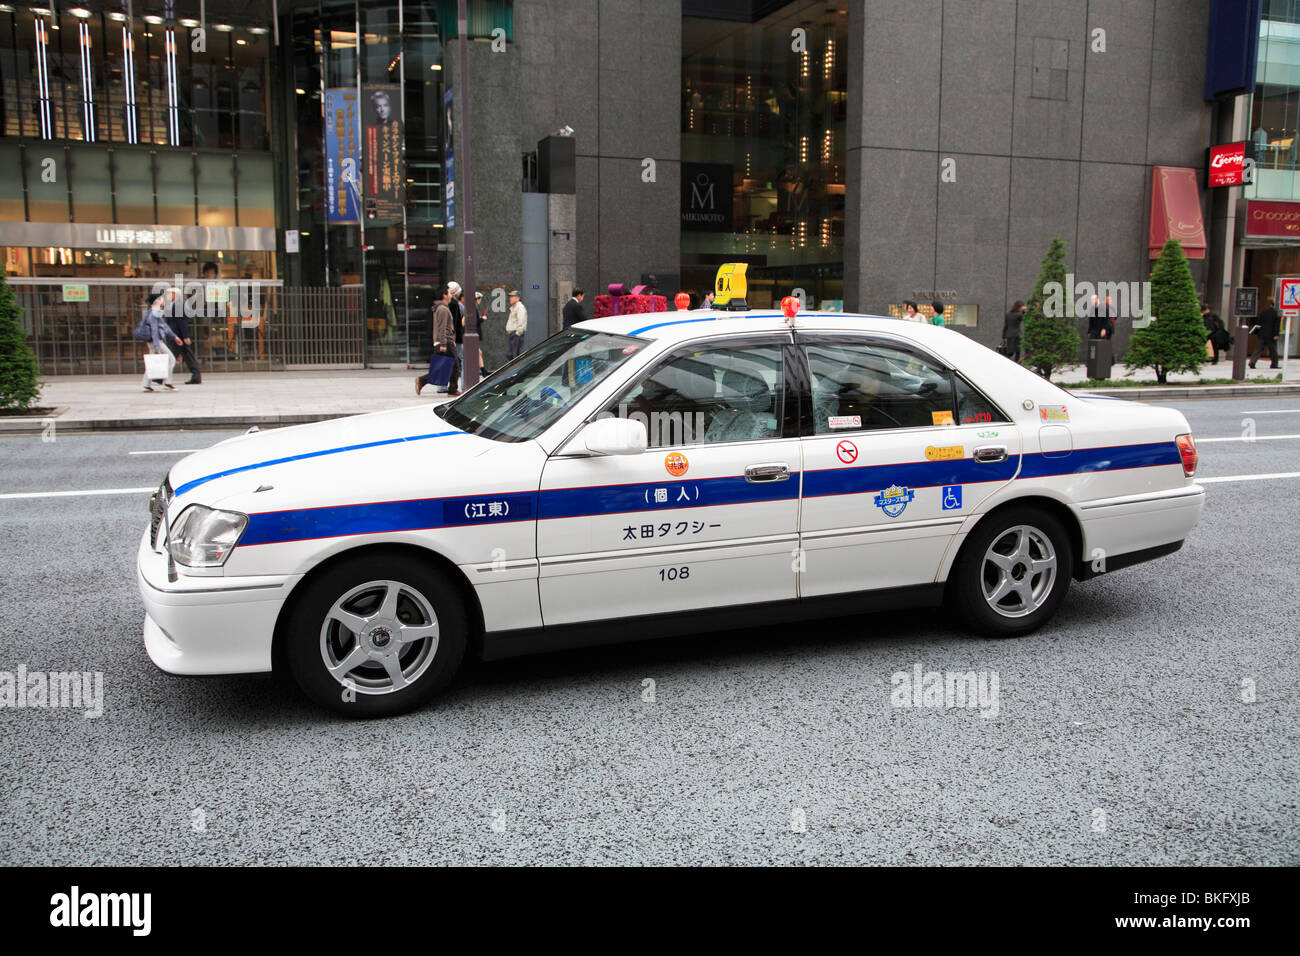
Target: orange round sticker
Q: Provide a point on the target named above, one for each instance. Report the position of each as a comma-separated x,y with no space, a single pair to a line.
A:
676,464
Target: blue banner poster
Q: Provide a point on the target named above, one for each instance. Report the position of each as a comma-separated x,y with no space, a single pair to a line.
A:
448,159
342,159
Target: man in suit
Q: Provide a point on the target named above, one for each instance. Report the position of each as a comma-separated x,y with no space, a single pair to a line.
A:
1101,320
1270,320
573,312
182,346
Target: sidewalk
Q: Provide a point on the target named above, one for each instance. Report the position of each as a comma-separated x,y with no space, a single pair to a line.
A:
243,399
224,400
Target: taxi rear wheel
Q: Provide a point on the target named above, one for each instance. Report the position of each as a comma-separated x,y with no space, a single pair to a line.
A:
376,635
1013,572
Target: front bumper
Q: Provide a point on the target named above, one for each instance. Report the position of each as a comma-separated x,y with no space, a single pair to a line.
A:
208,625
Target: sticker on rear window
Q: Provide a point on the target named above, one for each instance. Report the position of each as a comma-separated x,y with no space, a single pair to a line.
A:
1054,413
630,349
845,421
941,418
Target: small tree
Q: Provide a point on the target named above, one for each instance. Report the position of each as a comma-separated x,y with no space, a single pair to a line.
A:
1175,339
1049,340
18,381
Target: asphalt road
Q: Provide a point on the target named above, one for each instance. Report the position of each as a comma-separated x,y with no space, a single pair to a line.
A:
1121,736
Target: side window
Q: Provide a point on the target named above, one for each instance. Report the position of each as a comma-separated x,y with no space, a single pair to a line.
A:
869,385
973,408
710,395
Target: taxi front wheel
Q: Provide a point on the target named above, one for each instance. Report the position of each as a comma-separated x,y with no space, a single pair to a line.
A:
1013,572
376,635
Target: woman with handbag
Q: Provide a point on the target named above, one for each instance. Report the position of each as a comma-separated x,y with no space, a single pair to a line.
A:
154,330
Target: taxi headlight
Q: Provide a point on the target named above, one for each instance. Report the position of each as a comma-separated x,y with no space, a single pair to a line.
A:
204,537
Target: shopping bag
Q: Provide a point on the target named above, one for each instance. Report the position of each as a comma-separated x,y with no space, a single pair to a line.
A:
440,367
157,365
1209,349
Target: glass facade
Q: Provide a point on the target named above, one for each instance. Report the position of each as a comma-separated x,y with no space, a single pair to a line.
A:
136,113
764,119
1275,107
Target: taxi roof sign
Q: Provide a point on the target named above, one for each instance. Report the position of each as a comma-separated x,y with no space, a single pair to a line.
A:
730,286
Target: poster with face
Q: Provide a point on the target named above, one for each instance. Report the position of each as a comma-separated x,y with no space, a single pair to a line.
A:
384,154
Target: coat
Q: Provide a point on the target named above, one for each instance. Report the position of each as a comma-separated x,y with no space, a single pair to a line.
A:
1270,320
444,326
573,313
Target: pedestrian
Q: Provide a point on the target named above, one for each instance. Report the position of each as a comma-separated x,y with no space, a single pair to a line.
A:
910,312
573,312
516,326
1011,331
1220,338
444,337
457,308
937,318
479,317
174,312
1101,323
707,301
159,333
1270,320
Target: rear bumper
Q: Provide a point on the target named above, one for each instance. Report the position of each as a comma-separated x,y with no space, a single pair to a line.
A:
208,625
1121,532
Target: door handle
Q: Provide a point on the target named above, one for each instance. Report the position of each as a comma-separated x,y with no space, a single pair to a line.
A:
774,471
989,454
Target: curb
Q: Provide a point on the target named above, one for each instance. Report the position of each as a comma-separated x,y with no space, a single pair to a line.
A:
18,426
1176,393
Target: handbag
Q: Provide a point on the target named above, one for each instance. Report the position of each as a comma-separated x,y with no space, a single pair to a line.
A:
440,367
157,365
142,331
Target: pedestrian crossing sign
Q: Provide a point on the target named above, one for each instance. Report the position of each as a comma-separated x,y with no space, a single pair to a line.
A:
1290,297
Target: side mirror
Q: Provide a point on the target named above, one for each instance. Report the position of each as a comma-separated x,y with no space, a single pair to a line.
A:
613,436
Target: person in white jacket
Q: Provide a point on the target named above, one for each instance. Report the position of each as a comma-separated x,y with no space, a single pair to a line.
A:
516,326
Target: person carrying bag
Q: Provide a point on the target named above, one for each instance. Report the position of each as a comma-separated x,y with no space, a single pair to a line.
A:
159,360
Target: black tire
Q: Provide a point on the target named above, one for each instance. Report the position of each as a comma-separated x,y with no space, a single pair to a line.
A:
1032,599
389,675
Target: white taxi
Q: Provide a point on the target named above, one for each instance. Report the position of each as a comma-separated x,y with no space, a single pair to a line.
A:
649,475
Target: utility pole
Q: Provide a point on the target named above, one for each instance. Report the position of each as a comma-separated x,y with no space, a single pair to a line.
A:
464,199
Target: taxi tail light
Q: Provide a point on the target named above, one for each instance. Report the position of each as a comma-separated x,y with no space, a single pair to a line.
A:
1187,450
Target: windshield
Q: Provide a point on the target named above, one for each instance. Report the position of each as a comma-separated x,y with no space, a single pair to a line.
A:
525,398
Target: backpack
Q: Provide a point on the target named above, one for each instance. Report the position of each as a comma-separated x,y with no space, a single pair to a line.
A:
143,333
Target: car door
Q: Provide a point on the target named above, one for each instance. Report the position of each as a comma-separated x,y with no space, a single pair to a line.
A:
706,517
898,452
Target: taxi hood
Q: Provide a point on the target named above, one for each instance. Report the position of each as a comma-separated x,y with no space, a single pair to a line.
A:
321,462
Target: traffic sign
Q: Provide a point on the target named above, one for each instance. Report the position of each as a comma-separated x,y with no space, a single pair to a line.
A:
1290,295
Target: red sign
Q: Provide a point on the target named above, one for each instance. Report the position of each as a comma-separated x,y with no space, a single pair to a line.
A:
1227,165
1267,219
847,452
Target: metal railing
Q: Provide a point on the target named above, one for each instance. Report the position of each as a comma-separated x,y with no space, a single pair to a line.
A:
86,326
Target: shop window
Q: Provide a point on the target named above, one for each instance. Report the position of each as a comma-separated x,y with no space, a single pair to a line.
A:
256,190
92,199
47,201
216,189
11,187
175,188
133,185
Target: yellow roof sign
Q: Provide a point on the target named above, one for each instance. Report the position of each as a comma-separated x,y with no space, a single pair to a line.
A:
730,287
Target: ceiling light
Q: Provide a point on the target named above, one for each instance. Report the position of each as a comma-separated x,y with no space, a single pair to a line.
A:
242,42
153,19
257,31
188,22
224,27
117,17
300,91
80,12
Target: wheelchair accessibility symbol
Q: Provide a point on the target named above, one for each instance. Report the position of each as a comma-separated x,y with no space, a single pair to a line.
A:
951,497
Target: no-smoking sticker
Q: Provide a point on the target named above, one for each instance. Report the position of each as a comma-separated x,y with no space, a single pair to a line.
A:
847,452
